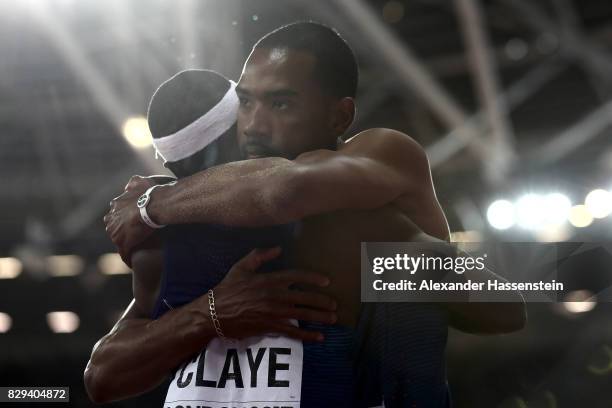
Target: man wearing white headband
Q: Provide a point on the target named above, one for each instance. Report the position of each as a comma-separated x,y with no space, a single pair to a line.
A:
190,140
296,94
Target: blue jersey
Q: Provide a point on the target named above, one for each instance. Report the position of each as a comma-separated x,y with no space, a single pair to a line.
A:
400,355
198,256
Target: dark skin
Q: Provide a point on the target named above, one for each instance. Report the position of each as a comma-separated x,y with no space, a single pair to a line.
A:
285,112
139,353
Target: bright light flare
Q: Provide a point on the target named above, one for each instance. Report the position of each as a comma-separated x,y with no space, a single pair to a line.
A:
579,301
112,264
501,214
599,203
63,321
6,322
531,211
557,208
554,233
10,268
136,132
580,217
64,265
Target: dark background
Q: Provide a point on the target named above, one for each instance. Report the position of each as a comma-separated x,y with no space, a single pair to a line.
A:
71,73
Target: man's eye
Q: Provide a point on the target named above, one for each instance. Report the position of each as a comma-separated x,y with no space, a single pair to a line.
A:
244,101
280,105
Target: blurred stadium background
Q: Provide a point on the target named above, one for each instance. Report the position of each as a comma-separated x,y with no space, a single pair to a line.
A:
511,98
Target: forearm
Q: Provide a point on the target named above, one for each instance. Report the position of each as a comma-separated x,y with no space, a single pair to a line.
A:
247,193
138,354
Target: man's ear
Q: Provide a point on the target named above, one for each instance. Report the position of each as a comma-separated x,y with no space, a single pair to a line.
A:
344,114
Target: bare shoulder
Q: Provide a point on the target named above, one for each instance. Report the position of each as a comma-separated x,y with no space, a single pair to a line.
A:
384,146
383,135
391,146
383,139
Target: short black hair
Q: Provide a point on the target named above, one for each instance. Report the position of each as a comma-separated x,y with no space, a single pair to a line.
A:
336,66
178,102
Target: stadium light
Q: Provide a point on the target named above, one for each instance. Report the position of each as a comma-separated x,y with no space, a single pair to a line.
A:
599,203
557,208
580,217
501,214
6,322
10,268
64,265
112,264
531,211
63,321
579,301
136,132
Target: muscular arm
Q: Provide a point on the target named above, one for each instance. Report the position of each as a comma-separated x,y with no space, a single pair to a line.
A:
139,353
374,168
129,360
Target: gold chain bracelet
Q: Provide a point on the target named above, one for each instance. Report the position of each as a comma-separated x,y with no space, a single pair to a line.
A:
213,314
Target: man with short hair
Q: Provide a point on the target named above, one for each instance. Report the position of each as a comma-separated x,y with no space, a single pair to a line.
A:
295,105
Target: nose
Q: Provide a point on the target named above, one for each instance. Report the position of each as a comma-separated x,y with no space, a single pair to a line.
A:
257,122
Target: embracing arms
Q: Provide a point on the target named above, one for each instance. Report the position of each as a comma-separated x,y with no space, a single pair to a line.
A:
372,169
376,167
139,353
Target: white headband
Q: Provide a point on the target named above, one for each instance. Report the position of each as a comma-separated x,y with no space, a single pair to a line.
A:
201,132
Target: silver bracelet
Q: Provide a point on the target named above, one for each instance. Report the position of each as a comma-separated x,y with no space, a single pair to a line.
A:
213,314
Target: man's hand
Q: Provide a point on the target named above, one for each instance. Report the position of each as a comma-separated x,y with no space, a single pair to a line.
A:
250,303
123,223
